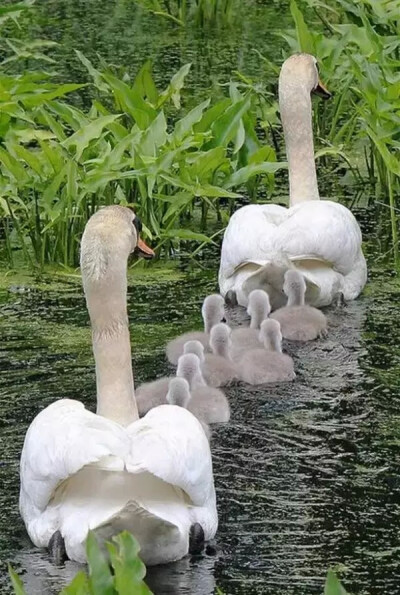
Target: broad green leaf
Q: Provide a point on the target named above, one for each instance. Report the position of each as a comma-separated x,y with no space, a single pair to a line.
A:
174,88
79,586
94,73
155,136
178,202
240,137
51,191
81,139
29,157
207,162
16,582
144,84
304,37
241,176
333,586
211,115
15,110
131,101
12,166
225,128
40,98
264,153
74,117
100,577
129,570
52,123
185,124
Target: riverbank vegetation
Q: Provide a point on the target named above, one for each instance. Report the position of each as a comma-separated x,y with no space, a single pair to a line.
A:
185,165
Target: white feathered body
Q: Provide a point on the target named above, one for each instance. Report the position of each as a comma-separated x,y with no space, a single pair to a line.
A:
80,471
320,238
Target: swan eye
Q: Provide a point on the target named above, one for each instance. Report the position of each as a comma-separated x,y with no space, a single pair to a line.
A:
138,224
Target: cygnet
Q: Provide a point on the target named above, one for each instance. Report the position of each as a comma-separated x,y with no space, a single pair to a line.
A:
152,394
212,312
244,339
217,367
179,394
259,366
208,404
298,321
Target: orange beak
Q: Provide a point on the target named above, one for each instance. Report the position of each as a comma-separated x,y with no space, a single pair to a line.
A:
322,91
144,250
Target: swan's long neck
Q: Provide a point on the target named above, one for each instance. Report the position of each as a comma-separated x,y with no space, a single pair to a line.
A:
295,109
106,299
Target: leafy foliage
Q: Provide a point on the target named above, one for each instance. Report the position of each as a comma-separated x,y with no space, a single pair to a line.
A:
123,575
58,163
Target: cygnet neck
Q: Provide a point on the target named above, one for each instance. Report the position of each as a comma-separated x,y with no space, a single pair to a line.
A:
272,342
106,298
296,114
296,296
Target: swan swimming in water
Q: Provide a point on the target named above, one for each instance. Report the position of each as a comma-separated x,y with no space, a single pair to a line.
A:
320,238
212,311
299,322
108,471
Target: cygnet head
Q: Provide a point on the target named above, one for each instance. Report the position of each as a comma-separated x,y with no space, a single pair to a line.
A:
270,335
194,347
220,340
299,73
178,392
110,236
189,367
212,311
294,287
258,308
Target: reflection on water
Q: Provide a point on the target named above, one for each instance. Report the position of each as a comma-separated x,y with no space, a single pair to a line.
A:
307,474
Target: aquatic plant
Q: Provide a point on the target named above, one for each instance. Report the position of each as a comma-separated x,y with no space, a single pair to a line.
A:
200,12
58,163
358,47
121,575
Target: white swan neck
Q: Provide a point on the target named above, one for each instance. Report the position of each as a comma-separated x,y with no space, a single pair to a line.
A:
296,114
107,304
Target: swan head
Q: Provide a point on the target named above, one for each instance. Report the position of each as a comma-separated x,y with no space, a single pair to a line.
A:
212,311
270,335
302,70
178,392
194,347
110,236
189,368
220,339
259,307
294,286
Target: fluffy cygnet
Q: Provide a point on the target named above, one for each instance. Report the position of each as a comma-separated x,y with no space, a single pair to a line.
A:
298,321
151,394
217,367
259,366
244,339
208,404
179,394
212,312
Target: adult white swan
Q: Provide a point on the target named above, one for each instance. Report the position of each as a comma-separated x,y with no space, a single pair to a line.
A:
320,238
110,471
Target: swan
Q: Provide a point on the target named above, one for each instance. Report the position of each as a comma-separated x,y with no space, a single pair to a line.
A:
208,404
320,238
217,367
212,312
243,339
108,471
259,366
299,322
179,394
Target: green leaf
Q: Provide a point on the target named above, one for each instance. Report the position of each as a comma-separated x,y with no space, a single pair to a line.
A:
16,582
155,136
100,577
304,37
211,115
333,586
207,162
78,586
144,83
391,161
81,139
60,91
186,234
241,176
185,125
95,74
72,184
174,88
129,570
29,157
131,101
225,127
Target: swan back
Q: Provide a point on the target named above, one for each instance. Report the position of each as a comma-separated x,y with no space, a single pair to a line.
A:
178,392
220,340
189,367
212,311
294,287
259,307
195,347
271,336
